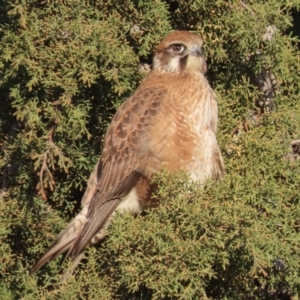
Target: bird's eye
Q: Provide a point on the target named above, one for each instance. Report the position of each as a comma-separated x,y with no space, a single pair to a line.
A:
178,48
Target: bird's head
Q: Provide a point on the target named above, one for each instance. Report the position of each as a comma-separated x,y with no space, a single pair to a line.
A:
179,52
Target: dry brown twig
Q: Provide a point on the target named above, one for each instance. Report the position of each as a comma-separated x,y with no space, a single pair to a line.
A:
44,169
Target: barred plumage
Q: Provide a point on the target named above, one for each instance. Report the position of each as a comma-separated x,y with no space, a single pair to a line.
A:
170,122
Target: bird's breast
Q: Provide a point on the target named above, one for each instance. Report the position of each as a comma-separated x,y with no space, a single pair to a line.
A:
206,161
182,135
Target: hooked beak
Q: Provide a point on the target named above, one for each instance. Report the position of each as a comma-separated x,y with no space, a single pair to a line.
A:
196,50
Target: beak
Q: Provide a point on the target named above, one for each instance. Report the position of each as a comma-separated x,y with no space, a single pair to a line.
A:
196,50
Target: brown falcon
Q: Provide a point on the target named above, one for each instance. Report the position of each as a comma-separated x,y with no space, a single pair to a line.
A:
169,123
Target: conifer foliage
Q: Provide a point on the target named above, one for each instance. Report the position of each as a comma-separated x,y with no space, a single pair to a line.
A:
65,66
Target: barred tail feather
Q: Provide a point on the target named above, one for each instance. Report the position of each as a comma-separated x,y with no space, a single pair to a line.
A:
64,241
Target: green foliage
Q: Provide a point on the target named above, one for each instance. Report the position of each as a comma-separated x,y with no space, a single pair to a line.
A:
65,66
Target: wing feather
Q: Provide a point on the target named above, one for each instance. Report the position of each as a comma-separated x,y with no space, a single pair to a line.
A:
101,213
122,162
116,173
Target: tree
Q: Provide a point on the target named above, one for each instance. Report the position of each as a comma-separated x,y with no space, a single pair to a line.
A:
66,65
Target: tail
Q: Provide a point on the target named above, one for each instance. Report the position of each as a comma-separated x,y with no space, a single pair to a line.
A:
64,241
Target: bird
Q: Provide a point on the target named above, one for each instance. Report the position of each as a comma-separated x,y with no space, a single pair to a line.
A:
169,123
